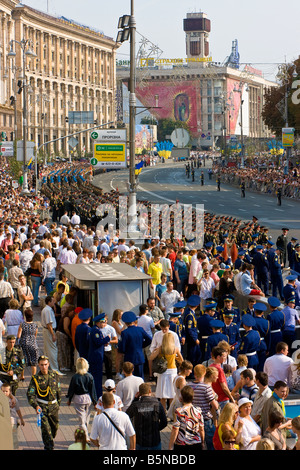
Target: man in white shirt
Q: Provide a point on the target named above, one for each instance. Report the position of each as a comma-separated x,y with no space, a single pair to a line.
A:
110,428
25,257
49,267
48,322
122,246
75,219
168,299
158,336
65,219
104,247
277,366
128,387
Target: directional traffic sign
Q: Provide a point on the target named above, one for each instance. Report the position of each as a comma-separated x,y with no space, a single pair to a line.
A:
94,135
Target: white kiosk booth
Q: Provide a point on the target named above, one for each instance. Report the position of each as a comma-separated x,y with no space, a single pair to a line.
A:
105,287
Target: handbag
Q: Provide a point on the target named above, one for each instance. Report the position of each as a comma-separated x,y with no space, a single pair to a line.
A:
159,365
114,425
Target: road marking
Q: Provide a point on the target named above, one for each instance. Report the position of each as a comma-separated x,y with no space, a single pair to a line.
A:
256,205
221,205
281,210
244,210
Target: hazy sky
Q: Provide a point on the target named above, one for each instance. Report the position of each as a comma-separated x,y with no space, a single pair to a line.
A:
267,30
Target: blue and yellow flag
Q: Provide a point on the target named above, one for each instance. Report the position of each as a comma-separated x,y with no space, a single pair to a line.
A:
29,165
138,167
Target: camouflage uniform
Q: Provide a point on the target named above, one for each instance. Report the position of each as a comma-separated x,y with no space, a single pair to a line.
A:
45,391
14,360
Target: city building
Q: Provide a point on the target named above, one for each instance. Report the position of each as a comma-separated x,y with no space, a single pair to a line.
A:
220,102
73,69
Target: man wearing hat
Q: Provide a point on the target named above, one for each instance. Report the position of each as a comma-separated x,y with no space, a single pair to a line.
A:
290,249
214,338
262,325
191,331
203,324
261,264
96,352
292,318
276,272
14,364
232,331
250,341
290,289
281,243
230,309
276,319
82,333
296,263
132,342
176,322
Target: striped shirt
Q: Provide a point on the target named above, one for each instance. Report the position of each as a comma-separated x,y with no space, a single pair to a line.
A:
203,396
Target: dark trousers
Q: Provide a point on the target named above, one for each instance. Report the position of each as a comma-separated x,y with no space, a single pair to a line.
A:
108,364
4,301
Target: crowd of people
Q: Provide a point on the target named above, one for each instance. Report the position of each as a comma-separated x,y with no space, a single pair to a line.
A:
217,374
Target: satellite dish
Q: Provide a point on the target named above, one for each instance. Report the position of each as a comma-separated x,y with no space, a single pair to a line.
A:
180,137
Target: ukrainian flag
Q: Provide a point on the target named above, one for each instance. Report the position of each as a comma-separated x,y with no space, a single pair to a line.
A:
138,167
29,165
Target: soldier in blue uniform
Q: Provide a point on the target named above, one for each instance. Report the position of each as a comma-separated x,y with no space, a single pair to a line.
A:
244,246
290,248
296,263
240,259
263,328
250,308
232,331
230,309
214,338
276,273
191,330
176,322
82,333
260,261
290,289
276,319
204,326
96,352
250,341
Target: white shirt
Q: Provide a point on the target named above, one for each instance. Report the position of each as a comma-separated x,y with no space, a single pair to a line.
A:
158,337
48,316
127,389
147,324
168,299
109,437
277,367
108,330
75,219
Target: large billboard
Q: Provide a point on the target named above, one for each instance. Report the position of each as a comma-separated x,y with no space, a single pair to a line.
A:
176,100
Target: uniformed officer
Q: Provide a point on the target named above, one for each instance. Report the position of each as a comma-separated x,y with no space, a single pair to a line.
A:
44,395
276,273
82,333
218,183
263,327
250,341
191,330
290,289
96,352
230,309
260,261
215,337
204,326
292,318
243,188
132,342
176,321
276,319
290,249
281,243
232,331
14,364
250,307
202,178
193,174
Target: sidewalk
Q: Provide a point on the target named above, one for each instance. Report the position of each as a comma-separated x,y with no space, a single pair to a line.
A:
30,434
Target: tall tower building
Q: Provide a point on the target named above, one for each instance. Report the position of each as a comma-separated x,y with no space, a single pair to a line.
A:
197,28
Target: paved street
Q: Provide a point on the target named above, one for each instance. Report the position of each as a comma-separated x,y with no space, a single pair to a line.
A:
164,183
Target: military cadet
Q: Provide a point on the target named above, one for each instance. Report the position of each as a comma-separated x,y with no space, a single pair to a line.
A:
82,333
244,247
240,259
281,243
218,180
96,352
191,330
290,289
279,194
230,309
215,337
250,307
202,178
296,264
14,364
276,319
260,261
232,331
276,273
243,188
250,341
263,327
290,248
44,395
176,322
204,326
132,342
193,174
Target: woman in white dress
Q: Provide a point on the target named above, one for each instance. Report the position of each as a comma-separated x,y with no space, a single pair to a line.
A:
251,432
184,370
13,317
164,387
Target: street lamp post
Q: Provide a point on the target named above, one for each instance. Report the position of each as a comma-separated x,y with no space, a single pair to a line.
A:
26,46
240,91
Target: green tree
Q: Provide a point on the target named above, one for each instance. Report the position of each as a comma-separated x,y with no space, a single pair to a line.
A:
167,126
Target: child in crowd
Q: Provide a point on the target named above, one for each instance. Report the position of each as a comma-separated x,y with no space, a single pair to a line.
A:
109,386
15,413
